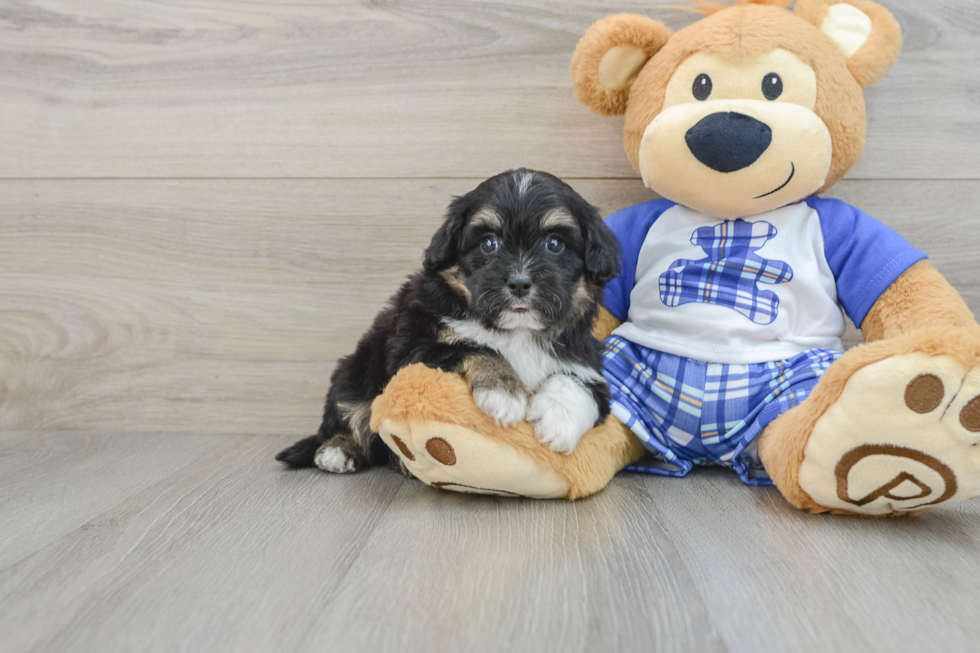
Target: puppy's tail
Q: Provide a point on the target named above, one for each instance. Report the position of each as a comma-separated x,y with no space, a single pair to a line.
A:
300,454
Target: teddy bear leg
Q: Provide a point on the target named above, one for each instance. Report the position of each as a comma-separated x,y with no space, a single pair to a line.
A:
892,428
428,418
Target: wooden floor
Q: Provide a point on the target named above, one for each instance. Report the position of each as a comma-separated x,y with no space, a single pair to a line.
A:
203,543
203,204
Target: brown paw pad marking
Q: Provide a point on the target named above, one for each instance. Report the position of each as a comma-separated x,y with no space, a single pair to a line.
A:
441,451
857,454
924,393
403,448
970,415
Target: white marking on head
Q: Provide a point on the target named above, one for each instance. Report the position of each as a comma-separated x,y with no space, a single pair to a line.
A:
524,183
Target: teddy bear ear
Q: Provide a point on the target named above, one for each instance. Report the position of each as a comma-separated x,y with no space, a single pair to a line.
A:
867,34
610,56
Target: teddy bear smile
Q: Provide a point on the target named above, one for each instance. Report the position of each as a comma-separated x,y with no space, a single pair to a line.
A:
784,185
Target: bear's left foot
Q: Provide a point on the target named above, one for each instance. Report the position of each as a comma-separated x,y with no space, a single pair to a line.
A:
902,437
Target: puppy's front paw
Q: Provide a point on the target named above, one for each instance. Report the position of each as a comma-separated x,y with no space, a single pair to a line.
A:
562,411
504,406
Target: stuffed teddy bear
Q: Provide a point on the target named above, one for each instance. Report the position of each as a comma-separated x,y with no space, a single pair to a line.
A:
723,330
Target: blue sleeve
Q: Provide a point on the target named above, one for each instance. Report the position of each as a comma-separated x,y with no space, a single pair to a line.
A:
864,255
630,226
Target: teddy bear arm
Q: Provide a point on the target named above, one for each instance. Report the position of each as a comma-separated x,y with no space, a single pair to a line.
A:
605,323
919,299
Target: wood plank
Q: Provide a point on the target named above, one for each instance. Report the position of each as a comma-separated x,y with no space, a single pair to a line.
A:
424,88
221,306
233,553
776,579
53,483
230,553
485,574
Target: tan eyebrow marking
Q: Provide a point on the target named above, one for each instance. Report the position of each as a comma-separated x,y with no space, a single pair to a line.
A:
557,218
487,218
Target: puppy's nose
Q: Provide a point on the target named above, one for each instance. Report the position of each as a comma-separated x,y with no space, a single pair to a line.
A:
519,284
728,141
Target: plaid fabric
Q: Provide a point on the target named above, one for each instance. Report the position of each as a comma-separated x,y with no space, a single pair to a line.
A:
730,274
691,413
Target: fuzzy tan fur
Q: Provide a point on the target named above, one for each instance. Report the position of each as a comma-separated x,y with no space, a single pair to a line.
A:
615,31
782,445
745,32
605,323
879,53
919,299
420,394
709,7
920,312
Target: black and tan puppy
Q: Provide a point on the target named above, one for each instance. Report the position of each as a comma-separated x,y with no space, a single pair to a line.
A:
510,286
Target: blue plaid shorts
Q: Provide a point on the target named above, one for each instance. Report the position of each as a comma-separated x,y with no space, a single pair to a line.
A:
689,412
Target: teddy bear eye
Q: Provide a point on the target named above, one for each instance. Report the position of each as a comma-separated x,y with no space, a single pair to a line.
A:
772,86
702,87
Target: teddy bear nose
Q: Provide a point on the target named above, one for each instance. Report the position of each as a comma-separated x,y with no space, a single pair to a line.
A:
728,141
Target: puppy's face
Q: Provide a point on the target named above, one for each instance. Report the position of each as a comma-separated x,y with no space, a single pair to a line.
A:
526,251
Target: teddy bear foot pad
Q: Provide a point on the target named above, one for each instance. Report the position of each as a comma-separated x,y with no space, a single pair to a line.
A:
455,458
903,437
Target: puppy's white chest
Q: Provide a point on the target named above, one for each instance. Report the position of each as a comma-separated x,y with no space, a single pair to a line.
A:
532,362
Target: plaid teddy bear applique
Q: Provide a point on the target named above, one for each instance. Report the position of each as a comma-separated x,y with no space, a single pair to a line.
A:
729,275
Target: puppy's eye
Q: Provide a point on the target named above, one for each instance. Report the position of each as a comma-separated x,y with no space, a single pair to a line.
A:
489,244
702,87
772,86
554,245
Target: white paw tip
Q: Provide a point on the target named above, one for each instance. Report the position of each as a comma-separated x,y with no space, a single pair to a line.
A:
505,407
333,460
558,432
561,414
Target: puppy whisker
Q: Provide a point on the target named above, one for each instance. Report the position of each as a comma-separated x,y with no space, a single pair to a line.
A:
479,301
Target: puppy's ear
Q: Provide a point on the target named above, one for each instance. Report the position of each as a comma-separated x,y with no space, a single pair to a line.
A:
443,251
609,58
603,254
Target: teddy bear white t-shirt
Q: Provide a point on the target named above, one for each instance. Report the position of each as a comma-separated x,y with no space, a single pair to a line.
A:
750,290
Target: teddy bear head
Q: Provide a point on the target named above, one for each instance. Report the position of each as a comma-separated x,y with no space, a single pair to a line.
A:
751,108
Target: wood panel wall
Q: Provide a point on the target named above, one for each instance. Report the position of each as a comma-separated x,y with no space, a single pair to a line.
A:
202,204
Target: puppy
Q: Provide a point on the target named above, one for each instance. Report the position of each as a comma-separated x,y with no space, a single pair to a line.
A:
510,285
